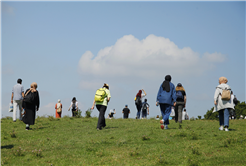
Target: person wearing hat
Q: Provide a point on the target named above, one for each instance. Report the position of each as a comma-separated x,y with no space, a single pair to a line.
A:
180,103
74,106
58,108
126,112
101,107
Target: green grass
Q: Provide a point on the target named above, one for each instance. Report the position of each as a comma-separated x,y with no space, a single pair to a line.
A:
75,141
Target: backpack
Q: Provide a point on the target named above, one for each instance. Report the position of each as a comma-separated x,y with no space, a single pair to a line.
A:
144,107
100,95
179,95
226,94
59,109
29,97
138,100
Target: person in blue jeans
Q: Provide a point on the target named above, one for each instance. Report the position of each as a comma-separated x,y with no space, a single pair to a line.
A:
166,98
223,106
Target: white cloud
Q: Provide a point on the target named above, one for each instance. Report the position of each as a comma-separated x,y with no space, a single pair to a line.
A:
152,56
214,57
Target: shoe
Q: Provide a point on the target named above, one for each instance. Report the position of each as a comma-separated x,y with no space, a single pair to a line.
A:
99,128
166,127
27,128
14,120
162,126
180,126
221,128
226,129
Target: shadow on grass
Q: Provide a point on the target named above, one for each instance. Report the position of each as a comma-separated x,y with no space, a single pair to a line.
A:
111,127
7,147
232,130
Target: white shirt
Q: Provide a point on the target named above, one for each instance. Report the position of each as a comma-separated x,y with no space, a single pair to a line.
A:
183,115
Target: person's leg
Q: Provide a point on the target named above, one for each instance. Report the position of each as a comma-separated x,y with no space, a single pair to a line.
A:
103,115
180,108
139,111
221,119
19,102
167,114
14,110
162,108
226,117
101,118
176,113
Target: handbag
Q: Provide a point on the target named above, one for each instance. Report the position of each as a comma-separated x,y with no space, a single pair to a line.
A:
10,107
28,98
59,109
172,112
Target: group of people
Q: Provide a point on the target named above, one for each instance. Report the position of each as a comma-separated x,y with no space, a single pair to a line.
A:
27,102
168,96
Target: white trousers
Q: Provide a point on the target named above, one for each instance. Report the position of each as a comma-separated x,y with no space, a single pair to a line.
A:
15,104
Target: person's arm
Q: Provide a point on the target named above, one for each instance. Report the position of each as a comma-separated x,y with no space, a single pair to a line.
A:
69,107
56,106
38,102
216,95
12,96
114,112
174,96
158,94
184,100
144,92
92,107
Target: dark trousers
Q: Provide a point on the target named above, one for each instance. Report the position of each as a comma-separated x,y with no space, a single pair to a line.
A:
139,106
125,116
101,119
73,113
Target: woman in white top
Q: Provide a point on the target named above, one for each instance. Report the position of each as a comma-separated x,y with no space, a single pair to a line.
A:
74,106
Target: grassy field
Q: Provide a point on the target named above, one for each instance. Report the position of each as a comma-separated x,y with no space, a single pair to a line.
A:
75,141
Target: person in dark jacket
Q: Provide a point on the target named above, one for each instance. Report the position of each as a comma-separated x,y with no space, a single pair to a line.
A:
180,103
31,108
166,97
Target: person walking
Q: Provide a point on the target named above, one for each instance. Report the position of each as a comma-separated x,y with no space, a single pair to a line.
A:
30,104
58,108
138,102
16,99
166,97
145,109
126,112
102,105
74,106
180,103
223,103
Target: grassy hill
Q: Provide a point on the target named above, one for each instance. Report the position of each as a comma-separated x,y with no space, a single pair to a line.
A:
75,141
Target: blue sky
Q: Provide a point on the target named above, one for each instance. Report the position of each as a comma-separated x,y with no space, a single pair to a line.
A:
71,48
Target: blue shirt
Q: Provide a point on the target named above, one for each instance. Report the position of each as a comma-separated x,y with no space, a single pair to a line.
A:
165,97
17,90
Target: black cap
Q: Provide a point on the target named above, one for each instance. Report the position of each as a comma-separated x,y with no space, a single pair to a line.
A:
179,84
